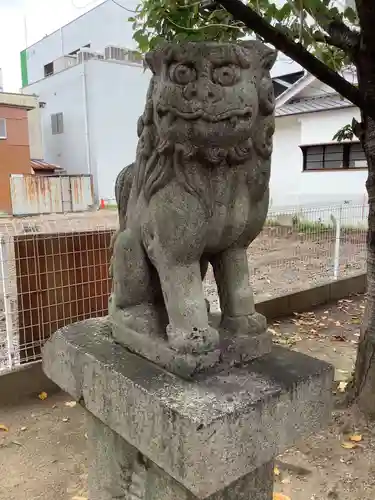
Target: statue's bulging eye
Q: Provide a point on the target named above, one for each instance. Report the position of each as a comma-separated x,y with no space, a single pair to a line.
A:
182,73
226,75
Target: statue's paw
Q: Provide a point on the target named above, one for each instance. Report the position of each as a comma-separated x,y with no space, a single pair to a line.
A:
194,341
252,324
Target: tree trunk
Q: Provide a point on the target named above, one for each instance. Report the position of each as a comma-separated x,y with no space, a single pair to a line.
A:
364,376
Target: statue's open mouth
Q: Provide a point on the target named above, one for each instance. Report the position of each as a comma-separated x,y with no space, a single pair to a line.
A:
232,115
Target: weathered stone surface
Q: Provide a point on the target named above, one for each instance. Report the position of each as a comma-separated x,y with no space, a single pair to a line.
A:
118,470
196,194
232,348
207,432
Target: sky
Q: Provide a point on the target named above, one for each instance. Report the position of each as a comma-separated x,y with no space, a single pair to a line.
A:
24,22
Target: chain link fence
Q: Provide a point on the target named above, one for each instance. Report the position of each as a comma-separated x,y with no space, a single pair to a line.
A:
54,269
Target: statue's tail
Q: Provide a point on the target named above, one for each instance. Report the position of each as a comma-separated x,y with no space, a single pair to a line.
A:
123,187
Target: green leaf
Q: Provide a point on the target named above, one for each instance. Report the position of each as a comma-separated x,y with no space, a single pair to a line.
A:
142,39
351,15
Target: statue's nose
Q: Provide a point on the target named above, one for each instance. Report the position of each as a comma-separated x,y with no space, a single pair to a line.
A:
203,91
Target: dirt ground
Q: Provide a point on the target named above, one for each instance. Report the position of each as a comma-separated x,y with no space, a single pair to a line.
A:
282,259
43,453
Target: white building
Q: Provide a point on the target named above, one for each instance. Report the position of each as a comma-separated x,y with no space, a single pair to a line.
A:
92,93
308,166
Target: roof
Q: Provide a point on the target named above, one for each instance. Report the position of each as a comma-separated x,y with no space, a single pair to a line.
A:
312,104
43,165
17,100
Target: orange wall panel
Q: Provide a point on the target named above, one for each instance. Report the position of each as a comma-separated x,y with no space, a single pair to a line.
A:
14,152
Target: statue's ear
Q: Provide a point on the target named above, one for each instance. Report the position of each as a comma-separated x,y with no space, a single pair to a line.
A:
157,57
267,55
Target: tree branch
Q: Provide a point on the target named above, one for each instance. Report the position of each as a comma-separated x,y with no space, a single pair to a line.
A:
299,54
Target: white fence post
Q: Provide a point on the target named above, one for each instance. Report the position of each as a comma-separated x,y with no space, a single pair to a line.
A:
4,276
336,260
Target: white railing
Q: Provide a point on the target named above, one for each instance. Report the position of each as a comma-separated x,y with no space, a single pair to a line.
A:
297,249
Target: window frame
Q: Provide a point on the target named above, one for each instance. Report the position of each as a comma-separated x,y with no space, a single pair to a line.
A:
49,66
346,157
55,121
5,136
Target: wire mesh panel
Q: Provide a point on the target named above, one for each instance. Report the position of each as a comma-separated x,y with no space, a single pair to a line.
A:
62,278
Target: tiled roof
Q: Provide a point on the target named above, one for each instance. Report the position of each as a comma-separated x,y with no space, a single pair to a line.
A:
43,165
311,104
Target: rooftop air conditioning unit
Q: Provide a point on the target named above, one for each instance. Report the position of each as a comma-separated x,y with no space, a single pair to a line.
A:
85,55
115,53
134,56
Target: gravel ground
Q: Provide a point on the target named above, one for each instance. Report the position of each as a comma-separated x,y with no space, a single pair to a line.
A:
43,454
282,260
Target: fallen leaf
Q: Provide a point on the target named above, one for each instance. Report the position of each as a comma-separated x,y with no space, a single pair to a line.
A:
23,429
286,480
348,445
4,428
65,420
280,496
342,386
71,404
356,438
276,471
339,338
356,321
42,396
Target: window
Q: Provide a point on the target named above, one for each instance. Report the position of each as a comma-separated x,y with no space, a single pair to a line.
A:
345,155
48,69
3,128
57,123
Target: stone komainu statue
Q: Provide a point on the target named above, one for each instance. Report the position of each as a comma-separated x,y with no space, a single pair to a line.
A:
196,194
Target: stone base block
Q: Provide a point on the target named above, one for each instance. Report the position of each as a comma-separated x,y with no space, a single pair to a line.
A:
233,348
214,433
118,470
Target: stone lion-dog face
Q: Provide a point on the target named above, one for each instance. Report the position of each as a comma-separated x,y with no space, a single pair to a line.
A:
208,95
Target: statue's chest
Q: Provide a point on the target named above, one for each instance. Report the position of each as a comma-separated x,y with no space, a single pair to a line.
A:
228,205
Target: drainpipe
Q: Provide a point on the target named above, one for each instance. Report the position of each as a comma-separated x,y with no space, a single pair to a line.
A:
86,121
62,42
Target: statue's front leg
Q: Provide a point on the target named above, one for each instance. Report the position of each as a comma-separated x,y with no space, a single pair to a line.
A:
231,271
175,240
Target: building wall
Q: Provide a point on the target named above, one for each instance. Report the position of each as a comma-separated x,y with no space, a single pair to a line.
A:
64,93
14,151
106,24
34,119
116,99
290,186
104,140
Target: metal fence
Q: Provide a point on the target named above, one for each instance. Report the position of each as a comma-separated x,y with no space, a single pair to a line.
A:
46,194
54,269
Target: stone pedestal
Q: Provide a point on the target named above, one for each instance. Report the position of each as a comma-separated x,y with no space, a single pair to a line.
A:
155,435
